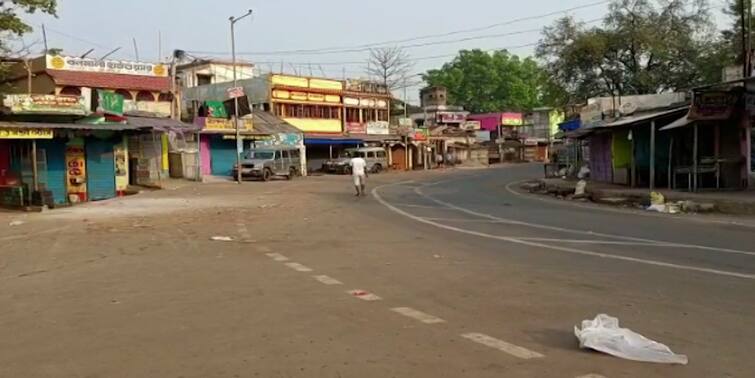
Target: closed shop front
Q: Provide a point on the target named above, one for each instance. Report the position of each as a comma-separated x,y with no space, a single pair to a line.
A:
53,153
5,172
100,163
222,155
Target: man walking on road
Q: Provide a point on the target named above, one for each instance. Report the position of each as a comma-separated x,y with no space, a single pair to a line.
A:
359,174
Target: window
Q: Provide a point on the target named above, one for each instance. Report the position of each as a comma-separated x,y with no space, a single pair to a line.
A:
369,115
382,115
381,154
165,97
71,91
294,154
145,96
126,94
204,79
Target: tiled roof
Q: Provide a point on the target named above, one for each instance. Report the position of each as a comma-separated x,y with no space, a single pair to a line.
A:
109,80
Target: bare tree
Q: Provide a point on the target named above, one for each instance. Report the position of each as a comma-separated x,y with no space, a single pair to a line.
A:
389,65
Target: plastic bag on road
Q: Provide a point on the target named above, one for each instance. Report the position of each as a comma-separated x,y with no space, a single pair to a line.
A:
604,335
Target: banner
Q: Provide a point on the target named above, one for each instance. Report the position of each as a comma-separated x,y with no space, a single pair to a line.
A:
72,63
110,103
76,177
46,104
356,128
227,124
512,119
378,128
7,133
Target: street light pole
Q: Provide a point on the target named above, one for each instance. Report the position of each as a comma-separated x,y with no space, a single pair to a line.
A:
239,142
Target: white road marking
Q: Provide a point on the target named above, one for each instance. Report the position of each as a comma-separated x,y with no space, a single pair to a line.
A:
363,295
277,257
328,280
418,191
582,241
418,315
557,248
514,350
298,267
592,376
419,206
243,231
262,248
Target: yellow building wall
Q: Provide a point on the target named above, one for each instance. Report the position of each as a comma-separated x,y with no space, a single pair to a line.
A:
291,81
325,84
316,125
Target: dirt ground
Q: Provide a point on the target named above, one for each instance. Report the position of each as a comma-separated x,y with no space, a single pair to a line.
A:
136,287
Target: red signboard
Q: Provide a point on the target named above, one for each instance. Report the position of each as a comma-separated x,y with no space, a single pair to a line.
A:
356,128
512,119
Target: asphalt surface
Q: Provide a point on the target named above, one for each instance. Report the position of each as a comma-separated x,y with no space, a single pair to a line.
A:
436,274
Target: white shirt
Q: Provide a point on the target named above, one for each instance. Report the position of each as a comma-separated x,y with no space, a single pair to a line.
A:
357,166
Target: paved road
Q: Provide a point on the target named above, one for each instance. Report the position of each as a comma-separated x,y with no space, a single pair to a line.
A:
438,274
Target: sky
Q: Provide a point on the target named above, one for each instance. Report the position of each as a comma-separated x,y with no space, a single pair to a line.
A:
277,28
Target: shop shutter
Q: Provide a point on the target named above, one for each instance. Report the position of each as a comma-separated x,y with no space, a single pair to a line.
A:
222,156
100,169
56,169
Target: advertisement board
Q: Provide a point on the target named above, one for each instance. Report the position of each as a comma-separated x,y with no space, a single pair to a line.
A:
46,104
73,63
378,128
8,133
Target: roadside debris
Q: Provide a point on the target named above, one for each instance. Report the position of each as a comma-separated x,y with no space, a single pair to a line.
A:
579,191
16,223
603,334
222,238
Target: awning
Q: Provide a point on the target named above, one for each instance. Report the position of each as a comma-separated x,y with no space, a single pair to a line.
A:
69,126
327,139
681,122
631,120
570,125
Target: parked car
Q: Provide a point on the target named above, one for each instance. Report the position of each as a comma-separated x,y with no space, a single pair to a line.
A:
268,162
376,158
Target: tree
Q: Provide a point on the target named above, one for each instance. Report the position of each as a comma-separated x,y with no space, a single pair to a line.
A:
641,48
12,26
389,65
488,82
733,35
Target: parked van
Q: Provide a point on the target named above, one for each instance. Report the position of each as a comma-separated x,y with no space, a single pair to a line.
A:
267,162
376,158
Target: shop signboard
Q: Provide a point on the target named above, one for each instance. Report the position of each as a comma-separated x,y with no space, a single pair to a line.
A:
8,133
110,103
216,109
512,119
405,122
713,105
356,128
378,128
235,92
46,104
72,63
223,124
420,134
451,117
471,125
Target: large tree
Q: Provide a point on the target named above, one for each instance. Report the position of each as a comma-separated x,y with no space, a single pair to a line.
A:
389,65
642,47
12,26
487,82
732,36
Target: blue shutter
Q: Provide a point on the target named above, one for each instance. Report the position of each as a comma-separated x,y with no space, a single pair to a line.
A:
222,156
56,169
100,169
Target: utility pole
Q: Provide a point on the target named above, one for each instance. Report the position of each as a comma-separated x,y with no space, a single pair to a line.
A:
239,142
743,4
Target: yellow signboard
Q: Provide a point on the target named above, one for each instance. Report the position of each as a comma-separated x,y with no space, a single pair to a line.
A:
25,133
325,84
226,124
290,81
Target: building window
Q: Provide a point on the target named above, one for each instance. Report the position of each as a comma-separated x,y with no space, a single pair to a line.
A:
71,91
145,96
204,79
165,97
369,115
382,115
352,115
126,94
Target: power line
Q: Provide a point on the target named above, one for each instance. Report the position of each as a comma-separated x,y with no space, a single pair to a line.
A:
364,47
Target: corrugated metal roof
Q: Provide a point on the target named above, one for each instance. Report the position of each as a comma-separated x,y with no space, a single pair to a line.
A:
634,119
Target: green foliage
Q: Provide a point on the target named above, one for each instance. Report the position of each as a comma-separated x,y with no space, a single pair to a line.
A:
641,48
10,22
487,82
732,37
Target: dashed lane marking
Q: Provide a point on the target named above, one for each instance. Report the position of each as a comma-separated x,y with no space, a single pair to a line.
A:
492,342
364,295
328,280
418,315
592,376
277,257
298,267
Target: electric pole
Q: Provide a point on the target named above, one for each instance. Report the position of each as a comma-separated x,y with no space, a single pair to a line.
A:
239,142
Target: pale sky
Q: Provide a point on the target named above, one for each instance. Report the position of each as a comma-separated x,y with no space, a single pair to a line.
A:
202,28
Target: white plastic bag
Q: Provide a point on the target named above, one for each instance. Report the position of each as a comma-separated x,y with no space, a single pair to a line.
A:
579,190
604,335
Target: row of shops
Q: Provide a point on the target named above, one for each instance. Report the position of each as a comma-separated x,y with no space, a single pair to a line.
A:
691,144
